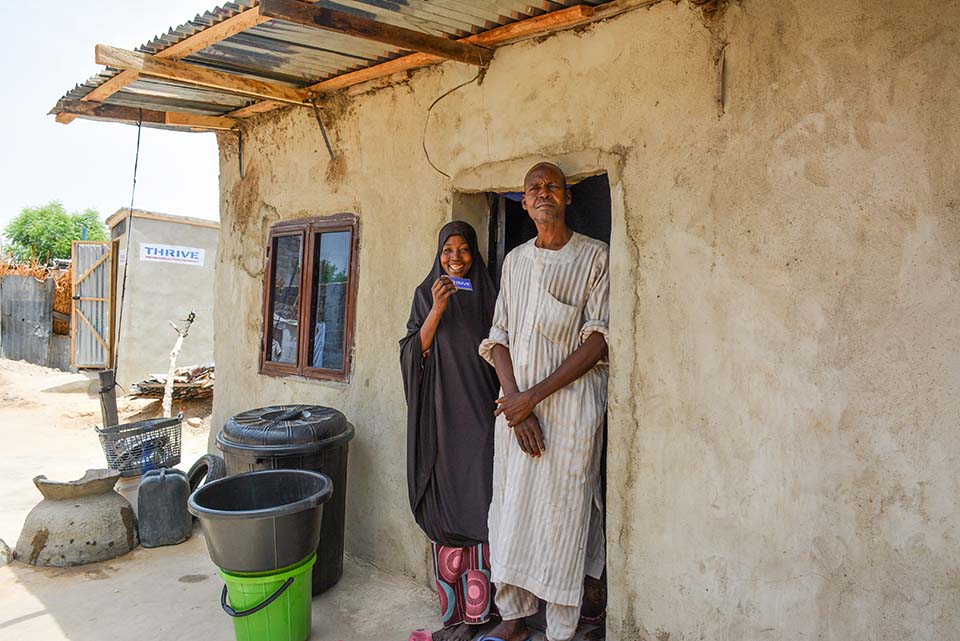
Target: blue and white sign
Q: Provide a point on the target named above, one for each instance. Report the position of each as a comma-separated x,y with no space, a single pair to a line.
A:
152,252
463,284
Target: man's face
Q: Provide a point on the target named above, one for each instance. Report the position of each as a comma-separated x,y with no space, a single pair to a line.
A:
545,198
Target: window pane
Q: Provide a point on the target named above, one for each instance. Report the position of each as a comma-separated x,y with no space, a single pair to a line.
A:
285,299
328,318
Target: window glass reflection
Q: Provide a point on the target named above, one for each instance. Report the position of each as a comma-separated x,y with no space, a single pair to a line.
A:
328,316
285,299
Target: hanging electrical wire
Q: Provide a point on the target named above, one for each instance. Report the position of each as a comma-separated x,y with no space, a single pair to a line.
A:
426,122
126,250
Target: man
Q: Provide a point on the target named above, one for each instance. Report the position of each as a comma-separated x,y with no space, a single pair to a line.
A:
547,342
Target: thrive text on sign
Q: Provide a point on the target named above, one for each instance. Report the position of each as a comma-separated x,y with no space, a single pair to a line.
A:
171,254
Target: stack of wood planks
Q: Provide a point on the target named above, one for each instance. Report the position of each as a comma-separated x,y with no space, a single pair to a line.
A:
189,383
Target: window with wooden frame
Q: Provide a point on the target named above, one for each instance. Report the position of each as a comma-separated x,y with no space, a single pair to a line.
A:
309,297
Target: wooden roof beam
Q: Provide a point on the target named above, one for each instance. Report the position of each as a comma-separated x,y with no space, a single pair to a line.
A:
189,45
546,23
219,32
541,25
155,67
315,17
117,113
104,91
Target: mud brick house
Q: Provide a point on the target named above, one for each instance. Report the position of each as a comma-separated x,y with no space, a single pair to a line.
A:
778,183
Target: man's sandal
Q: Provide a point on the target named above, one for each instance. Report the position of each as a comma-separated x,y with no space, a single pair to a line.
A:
597,620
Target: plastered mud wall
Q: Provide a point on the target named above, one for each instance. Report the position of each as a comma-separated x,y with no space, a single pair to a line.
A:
785,312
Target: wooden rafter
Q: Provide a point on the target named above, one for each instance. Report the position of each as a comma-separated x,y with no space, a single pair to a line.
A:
102,92
189,45
548,23
539,25
155,67
103,111
212,35
111,86
316,17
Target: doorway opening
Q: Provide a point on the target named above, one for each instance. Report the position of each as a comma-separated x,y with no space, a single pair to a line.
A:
509,226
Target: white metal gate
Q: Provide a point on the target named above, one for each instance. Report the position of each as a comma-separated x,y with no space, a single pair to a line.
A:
90,322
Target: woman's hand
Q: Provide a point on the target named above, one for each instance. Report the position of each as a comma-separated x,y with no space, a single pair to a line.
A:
530,436
442,290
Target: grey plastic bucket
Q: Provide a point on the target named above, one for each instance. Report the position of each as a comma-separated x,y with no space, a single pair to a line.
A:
262,521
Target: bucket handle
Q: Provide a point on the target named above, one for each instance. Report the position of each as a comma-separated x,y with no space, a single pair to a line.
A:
242,613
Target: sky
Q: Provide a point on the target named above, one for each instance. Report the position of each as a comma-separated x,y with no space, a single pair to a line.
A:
46,51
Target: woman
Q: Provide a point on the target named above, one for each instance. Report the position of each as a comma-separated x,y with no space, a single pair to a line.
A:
450,400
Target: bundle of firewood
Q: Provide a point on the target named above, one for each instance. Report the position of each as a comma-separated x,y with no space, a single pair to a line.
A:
189,383
62,302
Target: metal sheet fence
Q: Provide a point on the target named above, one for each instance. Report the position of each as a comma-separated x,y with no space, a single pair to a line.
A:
26,318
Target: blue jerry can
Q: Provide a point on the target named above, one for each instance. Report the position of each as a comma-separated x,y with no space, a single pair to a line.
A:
162,508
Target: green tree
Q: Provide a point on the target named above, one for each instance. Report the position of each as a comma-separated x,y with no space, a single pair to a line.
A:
46,232
331,273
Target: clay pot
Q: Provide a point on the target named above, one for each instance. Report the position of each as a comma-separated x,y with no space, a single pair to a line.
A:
78,522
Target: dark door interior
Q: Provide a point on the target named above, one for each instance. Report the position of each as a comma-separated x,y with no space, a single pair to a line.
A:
510,226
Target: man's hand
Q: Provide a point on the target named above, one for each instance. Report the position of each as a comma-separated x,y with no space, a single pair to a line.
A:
530,436
516,406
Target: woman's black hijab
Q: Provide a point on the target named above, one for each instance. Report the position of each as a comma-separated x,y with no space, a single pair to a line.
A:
450,402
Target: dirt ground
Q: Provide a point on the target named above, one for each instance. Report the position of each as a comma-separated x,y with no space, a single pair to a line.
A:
47,420
149,594
52,433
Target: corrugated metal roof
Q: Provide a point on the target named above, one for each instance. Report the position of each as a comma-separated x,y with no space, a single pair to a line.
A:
162,95
289,54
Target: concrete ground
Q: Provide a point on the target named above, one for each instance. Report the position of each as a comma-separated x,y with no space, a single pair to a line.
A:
156,594
149,594
174,593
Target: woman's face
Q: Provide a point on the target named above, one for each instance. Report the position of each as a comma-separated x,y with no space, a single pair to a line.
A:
455,256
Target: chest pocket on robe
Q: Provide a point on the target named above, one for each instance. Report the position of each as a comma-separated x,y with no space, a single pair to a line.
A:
557,321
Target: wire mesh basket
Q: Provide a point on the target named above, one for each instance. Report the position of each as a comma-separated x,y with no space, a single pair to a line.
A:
136,448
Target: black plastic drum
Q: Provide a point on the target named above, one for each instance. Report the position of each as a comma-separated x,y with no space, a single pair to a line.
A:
297,437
